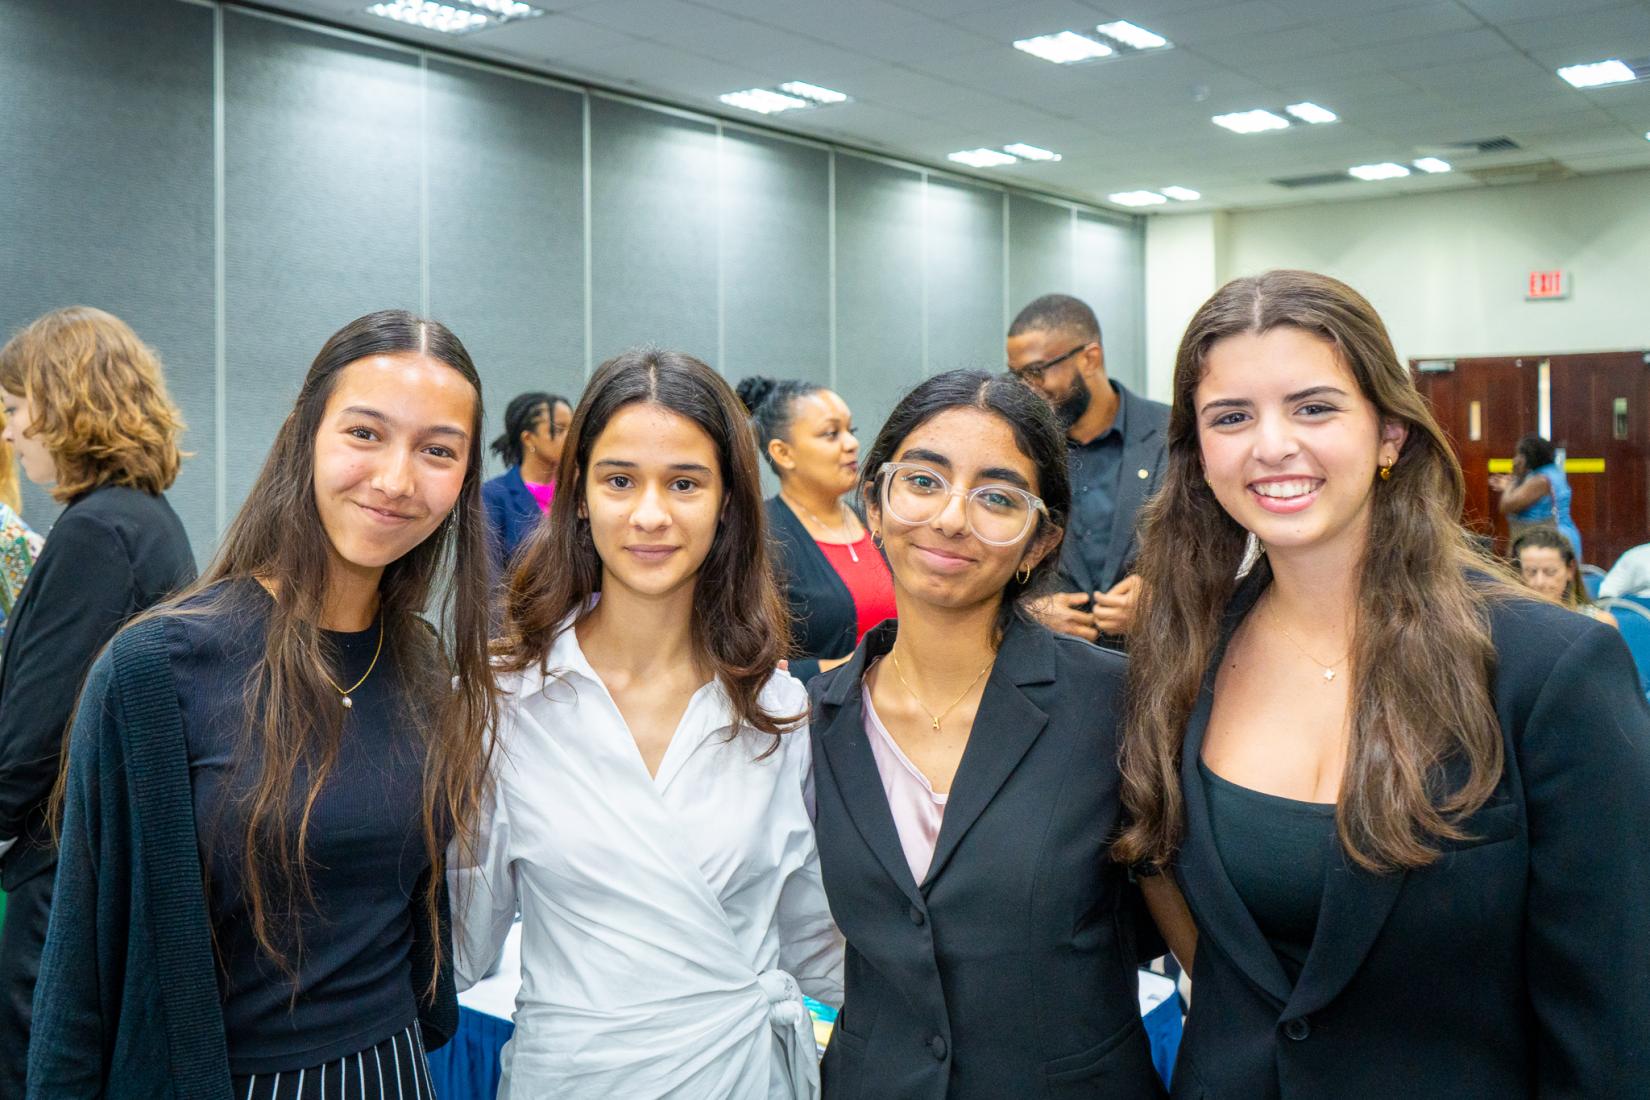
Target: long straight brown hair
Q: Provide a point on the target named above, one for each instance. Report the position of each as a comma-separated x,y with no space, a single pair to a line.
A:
294,725
740,625
1422,656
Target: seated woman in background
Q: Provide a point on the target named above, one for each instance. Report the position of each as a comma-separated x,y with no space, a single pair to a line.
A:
967,783
19,544
1536,493
1404,800
649,816
89,418
1548,566
264,775
830,571
535,425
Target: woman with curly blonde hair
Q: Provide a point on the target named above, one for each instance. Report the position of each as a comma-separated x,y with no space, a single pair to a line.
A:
87,412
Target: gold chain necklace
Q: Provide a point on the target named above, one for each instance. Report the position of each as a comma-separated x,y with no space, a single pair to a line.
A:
345,692
1329,669
932,717
839,527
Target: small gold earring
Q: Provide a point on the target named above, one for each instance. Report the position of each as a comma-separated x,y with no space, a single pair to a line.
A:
1023,575
1386,472
876,539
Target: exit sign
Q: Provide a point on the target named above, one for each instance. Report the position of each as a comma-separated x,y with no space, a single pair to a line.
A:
1544,285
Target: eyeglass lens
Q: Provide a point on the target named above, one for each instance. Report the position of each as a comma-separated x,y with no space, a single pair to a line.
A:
996,515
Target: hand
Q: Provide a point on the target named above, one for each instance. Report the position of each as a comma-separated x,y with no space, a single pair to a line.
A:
1064,613
1501,482
1114,610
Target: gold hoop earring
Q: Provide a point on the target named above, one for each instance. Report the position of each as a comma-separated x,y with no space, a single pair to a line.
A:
1023,575
1386,472
876,539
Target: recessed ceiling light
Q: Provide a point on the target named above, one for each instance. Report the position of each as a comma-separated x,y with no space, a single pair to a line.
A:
432,16
1137,198
1251,122
509,9
1386,170
1064,48
812,92
1432,165
1613,71
1182,194
1311,112
1134,37
982,158
1030,152
763,101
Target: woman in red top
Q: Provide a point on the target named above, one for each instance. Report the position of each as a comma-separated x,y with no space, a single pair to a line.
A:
833,576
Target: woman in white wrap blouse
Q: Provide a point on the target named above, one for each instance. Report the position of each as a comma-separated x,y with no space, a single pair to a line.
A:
649,813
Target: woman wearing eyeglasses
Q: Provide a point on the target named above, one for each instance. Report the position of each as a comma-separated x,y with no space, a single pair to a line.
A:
965,762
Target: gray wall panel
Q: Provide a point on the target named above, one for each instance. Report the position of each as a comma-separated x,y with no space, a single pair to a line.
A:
879,286
1110,261
506,229
775,258
965,277
1039,250
322,197
106,138
653,230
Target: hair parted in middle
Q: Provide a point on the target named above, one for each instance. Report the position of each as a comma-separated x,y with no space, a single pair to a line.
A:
1037,431
1421,653
740,625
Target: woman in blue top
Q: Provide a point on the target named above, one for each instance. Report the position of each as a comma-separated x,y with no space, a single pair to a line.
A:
1536,494
535,427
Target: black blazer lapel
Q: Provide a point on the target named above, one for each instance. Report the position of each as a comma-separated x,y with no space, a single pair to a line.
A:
1221,916
1142,448
841,719
1005,726
1356,904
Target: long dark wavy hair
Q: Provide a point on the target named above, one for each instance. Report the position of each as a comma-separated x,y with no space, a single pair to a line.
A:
1421,653
740,624
1036,430
294,725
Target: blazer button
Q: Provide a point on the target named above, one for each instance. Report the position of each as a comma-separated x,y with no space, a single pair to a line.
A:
917,917
936,1046
1297,1029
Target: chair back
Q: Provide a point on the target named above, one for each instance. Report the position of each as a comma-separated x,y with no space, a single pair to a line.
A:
1633,616
1592,576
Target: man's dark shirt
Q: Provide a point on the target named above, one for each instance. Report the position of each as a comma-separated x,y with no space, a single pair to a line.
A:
1094,470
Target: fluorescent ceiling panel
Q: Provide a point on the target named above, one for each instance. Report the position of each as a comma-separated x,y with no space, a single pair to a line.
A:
509,9
1598,73
432,16
1137,198
763,101
1251,122
1386,170
1030,152
1432,165
1182,194
982,158
1064,48
812,92
1138,38
1312,113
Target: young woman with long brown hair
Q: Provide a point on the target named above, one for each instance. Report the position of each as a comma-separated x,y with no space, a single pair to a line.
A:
264,775
648,818
1403,801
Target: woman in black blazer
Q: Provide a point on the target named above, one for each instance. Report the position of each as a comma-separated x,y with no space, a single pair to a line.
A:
88,415
835,581
967,788
1404,801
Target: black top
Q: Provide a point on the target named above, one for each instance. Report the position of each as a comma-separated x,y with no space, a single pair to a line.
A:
1010,971
824,620
1092,559
128,1002
1276,851
1512,966
112,553
366,847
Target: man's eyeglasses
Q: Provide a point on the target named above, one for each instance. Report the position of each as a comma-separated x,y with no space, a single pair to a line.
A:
1032,373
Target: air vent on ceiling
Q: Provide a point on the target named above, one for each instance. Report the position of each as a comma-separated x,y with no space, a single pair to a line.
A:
1319,180
1469,148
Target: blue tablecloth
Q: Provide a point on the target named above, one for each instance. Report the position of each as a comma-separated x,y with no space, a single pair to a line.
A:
468,1067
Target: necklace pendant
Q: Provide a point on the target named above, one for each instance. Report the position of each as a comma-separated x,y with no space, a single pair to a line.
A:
1328,675
936,722
348,702
852,556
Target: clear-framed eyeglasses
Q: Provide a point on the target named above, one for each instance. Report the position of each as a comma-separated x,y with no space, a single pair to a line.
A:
999,515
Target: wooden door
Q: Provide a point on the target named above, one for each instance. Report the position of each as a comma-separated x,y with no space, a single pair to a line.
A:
1505,393
1601,420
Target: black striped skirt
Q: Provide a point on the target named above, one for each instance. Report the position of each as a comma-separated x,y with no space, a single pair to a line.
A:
395,1069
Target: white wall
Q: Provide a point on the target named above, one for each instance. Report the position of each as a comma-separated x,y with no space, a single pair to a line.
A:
1447,271
1184,257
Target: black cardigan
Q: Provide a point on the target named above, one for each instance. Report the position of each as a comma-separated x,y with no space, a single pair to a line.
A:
824,621
127,1002
1514,966
1010,970
114,552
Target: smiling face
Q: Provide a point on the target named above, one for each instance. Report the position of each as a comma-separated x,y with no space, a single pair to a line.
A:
37,462
390,456
653,496
942,562
822,452
1545,570
1290,446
